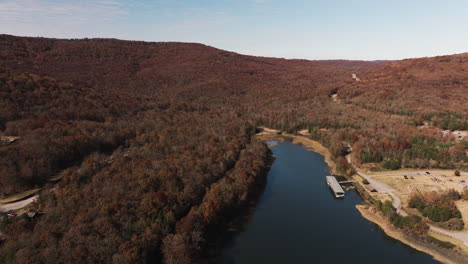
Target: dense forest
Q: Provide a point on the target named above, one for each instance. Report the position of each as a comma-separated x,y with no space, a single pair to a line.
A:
154,142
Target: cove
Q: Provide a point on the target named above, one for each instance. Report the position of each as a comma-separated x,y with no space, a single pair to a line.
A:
298,220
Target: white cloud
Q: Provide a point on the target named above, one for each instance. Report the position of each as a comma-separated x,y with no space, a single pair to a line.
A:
37,11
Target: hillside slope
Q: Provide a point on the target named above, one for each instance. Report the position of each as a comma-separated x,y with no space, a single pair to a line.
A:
154,142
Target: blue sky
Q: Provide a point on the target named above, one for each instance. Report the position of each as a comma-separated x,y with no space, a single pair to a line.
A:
333,29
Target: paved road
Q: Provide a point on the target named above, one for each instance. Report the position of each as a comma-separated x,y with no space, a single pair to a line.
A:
462,236
384,188
380,186
18,205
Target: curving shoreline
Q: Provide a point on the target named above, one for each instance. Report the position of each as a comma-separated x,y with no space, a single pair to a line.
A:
393,232
315,146
308,143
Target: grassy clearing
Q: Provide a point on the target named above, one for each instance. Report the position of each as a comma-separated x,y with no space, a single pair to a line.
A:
444,238
440,243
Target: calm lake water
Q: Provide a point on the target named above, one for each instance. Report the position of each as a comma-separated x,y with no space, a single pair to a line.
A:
298,220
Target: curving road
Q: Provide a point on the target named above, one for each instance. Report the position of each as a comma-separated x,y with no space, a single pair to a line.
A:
384,188
462,236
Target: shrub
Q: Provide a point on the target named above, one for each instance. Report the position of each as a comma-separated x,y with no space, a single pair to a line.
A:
392,164
387,208
440,243
457,173
406,222
437,214
438,207
453,224
365,181
417,203
378,205
453,195
464,195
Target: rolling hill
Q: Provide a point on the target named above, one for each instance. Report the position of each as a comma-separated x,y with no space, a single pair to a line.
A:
154,142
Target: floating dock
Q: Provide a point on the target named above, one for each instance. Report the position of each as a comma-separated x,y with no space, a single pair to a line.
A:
335,186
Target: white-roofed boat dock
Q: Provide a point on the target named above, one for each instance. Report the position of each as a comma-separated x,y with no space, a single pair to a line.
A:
335,186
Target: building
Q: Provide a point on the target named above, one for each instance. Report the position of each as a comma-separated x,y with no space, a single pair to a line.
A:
335,186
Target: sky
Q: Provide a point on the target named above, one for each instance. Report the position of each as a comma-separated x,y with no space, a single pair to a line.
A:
313,29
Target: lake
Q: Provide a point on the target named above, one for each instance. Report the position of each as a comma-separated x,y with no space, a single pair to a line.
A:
298,220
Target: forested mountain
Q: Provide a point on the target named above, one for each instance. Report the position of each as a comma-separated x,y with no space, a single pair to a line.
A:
155,146
417,86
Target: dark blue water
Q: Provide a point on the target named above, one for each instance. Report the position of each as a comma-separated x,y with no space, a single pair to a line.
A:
297,220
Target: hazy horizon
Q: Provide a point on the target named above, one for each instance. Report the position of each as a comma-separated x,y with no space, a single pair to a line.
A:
312,30
254,55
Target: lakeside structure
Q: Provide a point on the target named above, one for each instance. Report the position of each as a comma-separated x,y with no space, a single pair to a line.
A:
367,192
335,186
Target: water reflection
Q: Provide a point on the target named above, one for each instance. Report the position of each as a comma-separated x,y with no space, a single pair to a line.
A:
298,220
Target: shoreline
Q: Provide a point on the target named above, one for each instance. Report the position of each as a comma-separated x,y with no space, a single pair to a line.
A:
309,144
315,146
395,233
223,234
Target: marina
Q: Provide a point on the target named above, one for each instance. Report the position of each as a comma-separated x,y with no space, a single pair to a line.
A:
292,220
335,186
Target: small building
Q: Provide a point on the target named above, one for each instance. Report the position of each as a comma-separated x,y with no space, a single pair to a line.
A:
335,186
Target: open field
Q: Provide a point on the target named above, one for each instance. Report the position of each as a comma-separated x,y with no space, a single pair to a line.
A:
416,182
420,182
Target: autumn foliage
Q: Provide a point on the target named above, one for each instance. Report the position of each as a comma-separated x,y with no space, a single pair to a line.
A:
154,142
